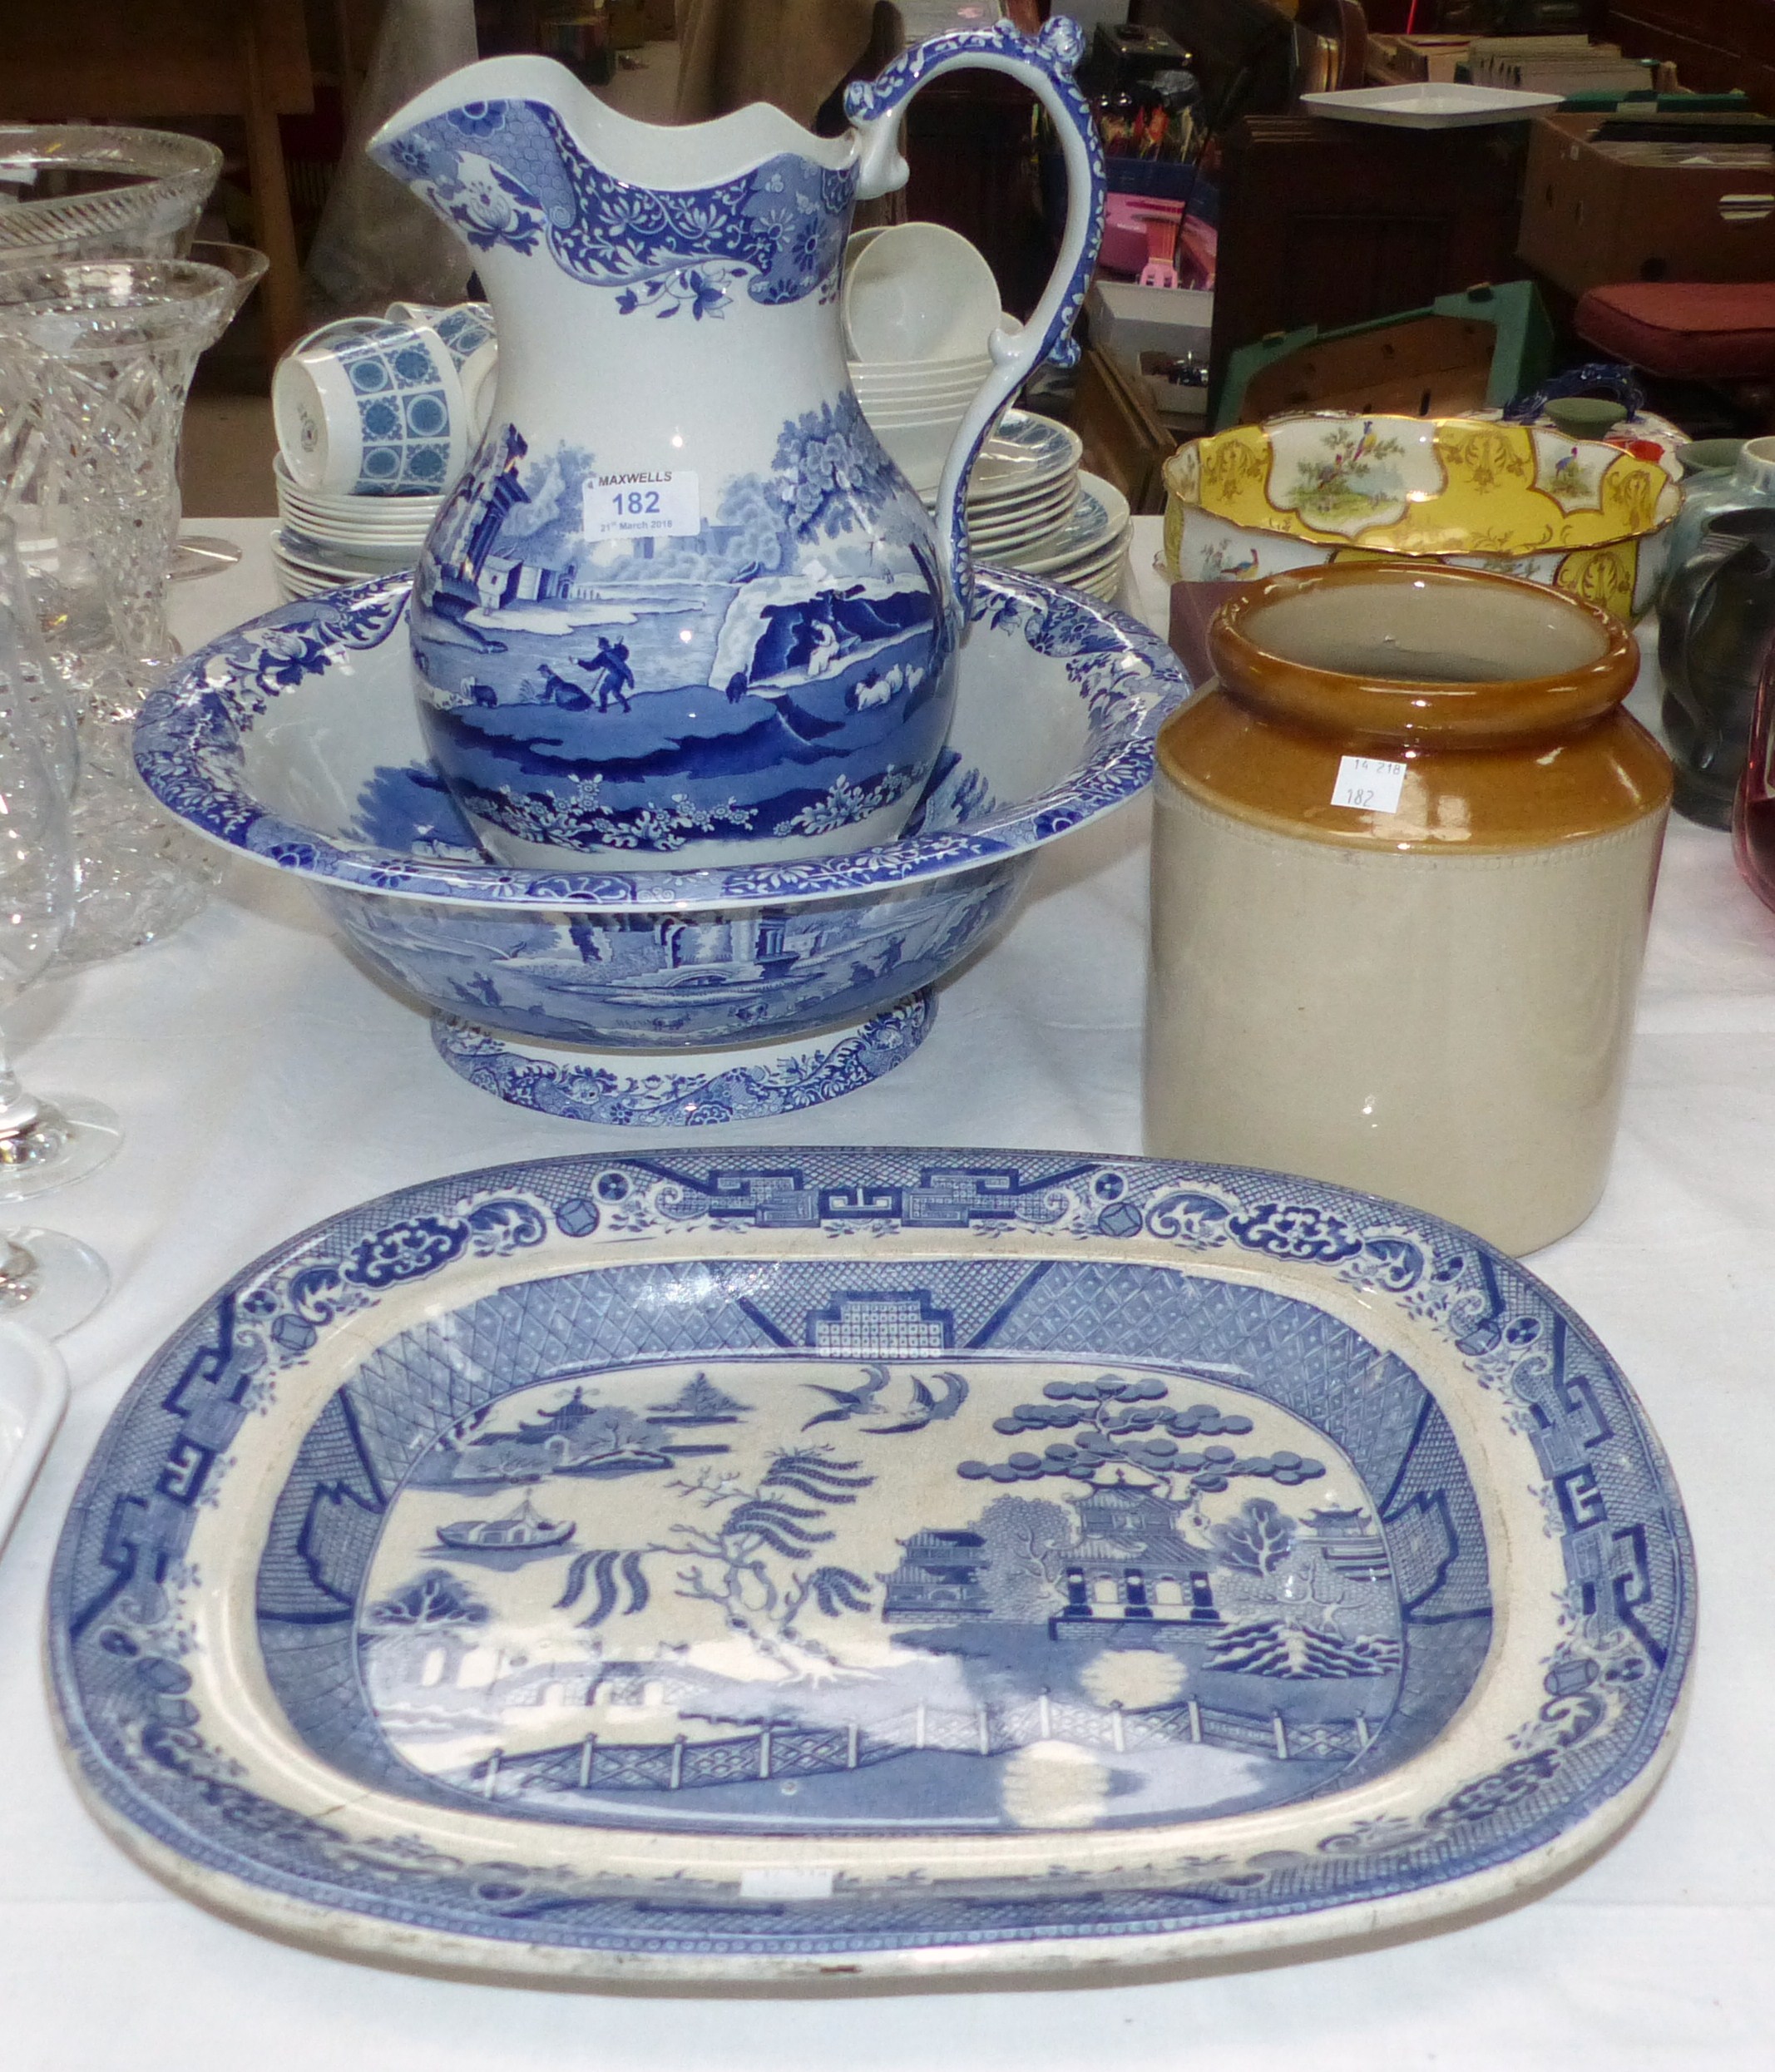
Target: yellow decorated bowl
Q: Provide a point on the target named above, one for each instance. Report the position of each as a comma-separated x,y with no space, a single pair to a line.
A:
1525,500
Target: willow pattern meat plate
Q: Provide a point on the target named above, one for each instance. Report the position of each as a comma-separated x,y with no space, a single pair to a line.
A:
817,1566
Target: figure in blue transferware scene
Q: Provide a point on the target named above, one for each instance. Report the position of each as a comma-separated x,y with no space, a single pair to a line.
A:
609,669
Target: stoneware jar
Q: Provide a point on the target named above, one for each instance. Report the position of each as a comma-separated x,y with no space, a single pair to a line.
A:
1403,856
682,609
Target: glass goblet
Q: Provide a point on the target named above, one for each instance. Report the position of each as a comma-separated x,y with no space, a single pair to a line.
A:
197,554
49,1280
41,1146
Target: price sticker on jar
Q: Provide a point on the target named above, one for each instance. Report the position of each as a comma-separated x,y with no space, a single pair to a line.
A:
1367,785
642,504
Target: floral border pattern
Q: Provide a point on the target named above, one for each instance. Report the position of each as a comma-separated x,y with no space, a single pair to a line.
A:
190,750
508,173
590,1092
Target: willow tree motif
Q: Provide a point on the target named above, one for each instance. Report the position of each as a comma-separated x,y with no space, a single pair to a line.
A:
752,1553
1259,1540
1125,1426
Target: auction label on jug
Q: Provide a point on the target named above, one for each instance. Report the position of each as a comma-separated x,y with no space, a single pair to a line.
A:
638,501
1368,785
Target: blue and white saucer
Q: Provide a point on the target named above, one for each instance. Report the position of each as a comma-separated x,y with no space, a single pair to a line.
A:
811,1566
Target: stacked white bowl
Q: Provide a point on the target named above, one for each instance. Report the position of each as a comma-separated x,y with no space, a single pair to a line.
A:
919,304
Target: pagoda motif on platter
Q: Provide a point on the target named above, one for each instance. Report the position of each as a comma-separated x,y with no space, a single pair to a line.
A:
1133,1563
1344,1537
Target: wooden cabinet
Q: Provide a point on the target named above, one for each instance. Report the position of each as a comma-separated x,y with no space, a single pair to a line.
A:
1330,223
1714,44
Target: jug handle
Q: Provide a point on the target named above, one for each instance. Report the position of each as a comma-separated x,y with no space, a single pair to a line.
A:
1044,63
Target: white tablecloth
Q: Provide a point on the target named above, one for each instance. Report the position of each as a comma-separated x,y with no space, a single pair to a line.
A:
264,1082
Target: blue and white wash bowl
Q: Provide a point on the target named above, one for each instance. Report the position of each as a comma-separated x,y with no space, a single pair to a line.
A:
652,997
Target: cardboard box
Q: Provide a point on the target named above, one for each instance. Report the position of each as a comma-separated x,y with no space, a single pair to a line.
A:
1126,320
1400,60
1590,217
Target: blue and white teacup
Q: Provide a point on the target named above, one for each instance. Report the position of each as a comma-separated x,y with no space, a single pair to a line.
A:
372,407
466,330
464,327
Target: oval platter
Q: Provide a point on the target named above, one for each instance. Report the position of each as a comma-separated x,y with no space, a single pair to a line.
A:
822,1565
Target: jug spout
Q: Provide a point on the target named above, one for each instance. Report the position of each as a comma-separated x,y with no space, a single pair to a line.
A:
523,162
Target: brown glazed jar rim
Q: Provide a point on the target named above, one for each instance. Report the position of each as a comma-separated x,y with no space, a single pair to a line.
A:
1441,715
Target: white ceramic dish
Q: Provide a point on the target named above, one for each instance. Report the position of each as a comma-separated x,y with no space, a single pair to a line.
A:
33,1395
1428,105
945,412
319,527
1099,521
911,394
1006,494
414,518
900,374
339,564
1008,546
1081,574
924,410
911,373
300,525
322,516
823,1566
920,291
1005,502
986,509
1025,452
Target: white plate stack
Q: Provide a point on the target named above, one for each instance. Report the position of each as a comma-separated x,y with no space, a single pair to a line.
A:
1030,506
915,414
325,540
918,304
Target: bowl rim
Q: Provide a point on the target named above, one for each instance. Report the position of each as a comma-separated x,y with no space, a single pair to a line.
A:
1288,524
1127,680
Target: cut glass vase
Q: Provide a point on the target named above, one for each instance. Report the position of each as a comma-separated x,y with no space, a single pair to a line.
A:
95,360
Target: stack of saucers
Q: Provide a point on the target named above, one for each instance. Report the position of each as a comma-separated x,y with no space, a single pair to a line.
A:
1089,549
327,540
1030,506
376,418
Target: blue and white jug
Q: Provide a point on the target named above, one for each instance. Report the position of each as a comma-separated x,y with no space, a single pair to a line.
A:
682,609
